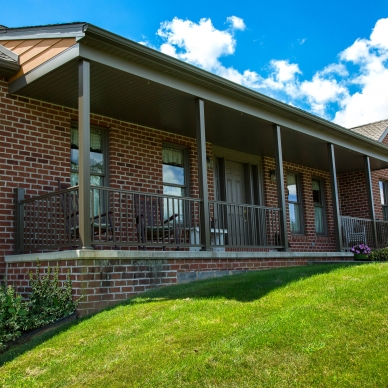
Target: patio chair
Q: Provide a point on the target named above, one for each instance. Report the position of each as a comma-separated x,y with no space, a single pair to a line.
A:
150,223
354,234
100,224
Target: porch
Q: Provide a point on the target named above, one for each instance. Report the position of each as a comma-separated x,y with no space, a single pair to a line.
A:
108,81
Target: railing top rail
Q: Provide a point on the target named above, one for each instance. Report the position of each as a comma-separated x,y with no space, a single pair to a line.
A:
245,205
382,221
355,218
110,189
133,192
48,195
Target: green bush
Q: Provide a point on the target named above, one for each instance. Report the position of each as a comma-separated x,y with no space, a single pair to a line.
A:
48,301
379,255
13,315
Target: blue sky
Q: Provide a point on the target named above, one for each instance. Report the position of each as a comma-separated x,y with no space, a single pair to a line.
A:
329,58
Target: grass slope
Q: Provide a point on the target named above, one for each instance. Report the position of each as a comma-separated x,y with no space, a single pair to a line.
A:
297,327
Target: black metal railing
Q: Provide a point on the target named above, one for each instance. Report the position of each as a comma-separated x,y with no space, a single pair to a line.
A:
129,218
126,218
239,225
46,222
117,218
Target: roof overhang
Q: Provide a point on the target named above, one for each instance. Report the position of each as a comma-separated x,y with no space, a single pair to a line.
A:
9,62
8,69
134,83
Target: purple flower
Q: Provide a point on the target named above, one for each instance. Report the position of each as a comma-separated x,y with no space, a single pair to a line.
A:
361,249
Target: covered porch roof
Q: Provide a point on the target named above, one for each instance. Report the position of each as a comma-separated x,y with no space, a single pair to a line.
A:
133,83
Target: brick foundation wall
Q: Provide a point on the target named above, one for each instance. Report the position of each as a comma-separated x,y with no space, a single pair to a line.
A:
104,283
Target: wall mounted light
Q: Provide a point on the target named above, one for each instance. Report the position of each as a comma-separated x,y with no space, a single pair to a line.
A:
272,175
209,162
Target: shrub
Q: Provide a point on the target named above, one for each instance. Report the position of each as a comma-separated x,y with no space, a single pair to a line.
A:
379,255
13,315
48,301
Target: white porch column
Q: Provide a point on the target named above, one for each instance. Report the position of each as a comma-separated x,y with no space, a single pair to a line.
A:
371,203
204,222
84,153
334,197
280,186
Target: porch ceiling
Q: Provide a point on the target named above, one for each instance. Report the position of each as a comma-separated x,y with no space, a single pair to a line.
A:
131,98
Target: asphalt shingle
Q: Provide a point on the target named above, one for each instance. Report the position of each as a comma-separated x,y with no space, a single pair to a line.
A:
372,130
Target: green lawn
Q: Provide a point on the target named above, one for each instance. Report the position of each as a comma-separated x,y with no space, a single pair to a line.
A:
316,326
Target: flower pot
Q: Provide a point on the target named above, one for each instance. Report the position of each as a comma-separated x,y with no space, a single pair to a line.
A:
361,256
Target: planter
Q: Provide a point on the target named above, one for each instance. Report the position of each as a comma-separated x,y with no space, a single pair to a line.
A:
361,256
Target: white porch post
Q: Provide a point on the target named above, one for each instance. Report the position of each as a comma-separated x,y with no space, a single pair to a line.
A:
334,197
204,215
84,153
371,204
280,186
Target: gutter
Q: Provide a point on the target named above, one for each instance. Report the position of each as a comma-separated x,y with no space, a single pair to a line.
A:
8,69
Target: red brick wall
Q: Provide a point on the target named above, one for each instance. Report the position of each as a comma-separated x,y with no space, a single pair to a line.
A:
309,240
35,152
377,176
353,196
385,140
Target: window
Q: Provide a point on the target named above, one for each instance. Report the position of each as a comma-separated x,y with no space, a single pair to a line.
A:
98,157
383,185
174,171
175,181
319,211
98,162
294,202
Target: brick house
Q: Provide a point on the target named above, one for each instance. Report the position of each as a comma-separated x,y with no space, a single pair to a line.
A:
133,169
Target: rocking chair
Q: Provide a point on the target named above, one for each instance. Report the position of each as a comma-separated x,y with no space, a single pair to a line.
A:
100,224
150,223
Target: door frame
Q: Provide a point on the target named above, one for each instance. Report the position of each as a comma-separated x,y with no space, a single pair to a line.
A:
254,181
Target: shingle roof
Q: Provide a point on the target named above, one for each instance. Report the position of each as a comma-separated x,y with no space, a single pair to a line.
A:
375,131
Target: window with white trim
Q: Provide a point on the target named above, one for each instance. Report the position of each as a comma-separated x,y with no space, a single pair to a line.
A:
294,202
175,177
383,186
319,206
98,161
174,171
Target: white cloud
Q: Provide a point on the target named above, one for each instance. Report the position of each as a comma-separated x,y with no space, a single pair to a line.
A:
201,44
379,34
320,91
358,97
236,22
370,102
334,68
